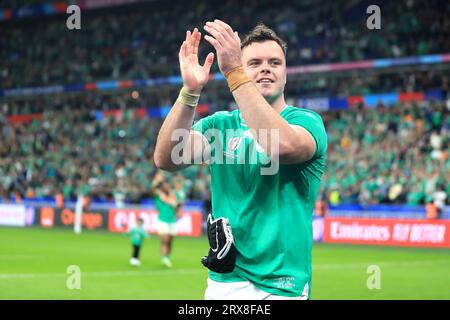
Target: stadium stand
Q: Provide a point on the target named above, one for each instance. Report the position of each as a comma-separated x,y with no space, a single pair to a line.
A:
102,144
64,151
135,41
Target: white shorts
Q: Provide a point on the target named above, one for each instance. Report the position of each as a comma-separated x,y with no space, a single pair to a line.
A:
243,290
166,228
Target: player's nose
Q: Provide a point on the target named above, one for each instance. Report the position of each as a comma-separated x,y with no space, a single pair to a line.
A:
265,69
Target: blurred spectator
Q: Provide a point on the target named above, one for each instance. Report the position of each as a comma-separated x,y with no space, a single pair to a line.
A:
142,40
396,154
110,157
431,209
321,206
439,197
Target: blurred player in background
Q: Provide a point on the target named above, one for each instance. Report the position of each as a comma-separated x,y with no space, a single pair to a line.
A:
180,194
137,235
270,215
166,204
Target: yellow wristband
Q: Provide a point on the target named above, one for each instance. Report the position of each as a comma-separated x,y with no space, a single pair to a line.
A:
187,98
236,77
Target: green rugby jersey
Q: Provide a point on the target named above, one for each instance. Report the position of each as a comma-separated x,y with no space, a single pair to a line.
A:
166,212
137,235
270,215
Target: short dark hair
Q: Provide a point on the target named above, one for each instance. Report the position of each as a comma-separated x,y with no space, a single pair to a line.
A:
262,33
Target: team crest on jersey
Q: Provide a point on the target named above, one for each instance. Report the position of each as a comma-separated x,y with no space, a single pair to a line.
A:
234,143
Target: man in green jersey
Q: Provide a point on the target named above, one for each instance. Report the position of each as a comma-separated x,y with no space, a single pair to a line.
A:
180,193
165,202
266,160
137,235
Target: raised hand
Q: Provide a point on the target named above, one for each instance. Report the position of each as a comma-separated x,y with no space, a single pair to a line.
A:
194,75
227,44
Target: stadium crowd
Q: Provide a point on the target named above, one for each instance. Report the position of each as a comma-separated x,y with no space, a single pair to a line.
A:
70,153
387,154
396,154
218,97
135,41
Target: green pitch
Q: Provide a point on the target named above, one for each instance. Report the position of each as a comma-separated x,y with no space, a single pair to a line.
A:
34,263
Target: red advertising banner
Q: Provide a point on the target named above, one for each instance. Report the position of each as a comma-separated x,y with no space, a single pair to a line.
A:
395,232
189,224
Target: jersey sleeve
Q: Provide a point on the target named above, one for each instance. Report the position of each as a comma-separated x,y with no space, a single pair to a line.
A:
313,123
204,124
